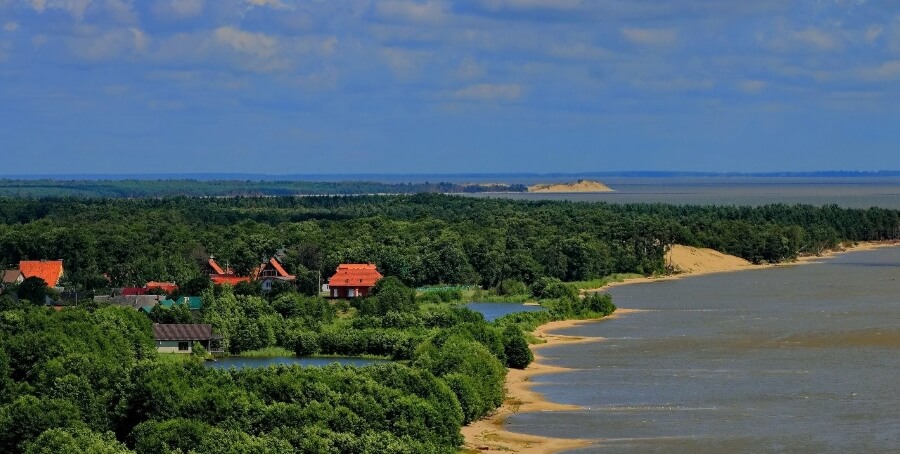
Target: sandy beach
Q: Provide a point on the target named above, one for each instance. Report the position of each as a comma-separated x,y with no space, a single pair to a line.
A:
488,435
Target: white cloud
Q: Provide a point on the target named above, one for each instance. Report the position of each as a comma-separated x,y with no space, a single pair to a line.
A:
874,32
564,5
579,51
816,39
179,9
94,45
785,39
654,37
140,38
258,44
404,63
275,4
469,69
430,12
678,84
76,8
887,71
10,26
752,86
490,92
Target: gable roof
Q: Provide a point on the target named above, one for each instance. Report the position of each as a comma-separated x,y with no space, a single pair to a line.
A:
192,302
355,275
12,276
132,291
274,264
220,279
50,271
215,267
167,287
182,332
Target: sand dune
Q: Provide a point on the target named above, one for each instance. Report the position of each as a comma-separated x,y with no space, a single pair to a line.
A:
578,186
687,259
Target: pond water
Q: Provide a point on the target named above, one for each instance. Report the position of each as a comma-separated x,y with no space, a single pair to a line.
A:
792,359
493,311
241,362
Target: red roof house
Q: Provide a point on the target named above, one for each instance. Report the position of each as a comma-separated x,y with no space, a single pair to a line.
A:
353,280
167,287
221,276
272,271
51,271
133,291
211,268
230,279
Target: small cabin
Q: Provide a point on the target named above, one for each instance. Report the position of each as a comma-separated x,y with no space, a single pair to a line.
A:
180,338
272,271
353,280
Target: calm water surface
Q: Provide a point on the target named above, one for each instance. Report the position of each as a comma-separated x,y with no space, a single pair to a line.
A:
793,359
240,363
860,192
493,311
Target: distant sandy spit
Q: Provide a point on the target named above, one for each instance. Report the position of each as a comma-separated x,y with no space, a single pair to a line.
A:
687,261
488,436
578,186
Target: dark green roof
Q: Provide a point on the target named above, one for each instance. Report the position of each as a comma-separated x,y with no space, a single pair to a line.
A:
193,302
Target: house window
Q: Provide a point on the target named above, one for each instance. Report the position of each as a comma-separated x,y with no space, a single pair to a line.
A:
183,346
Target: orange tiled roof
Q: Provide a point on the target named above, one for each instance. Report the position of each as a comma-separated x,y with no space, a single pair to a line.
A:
215,267
220,279
50,271
167,287
276,265
279,268
355,275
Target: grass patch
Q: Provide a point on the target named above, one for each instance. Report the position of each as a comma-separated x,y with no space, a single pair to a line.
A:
268,352
174,358
604,281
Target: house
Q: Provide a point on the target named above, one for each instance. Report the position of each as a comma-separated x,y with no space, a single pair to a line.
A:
133,291
51,271
12,277
222,276
194,303
271,272
230,279
167,287
353,280
210,267
180,338
138,302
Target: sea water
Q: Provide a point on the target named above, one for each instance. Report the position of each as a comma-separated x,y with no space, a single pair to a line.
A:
789,359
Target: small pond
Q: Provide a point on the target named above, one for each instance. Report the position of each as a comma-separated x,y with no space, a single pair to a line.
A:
493,311
241,362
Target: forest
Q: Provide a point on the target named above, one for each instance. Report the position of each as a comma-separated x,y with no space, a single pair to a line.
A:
87,378
229,188
421,239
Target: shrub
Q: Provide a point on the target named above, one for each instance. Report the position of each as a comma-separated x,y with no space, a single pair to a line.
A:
518,355
512,287
552,288
305,343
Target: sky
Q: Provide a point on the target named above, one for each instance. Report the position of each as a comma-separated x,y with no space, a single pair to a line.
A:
487,86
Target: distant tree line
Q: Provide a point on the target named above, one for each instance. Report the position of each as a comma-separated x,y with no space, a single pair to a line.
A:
421,239
225,188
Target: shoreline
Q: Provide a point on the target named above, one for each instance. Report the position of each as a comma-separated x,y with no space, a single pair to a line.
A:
488,435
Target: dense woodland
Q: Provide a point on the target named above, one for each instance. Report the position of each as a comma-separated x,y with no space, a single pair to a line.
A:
421,239
88,379
230,188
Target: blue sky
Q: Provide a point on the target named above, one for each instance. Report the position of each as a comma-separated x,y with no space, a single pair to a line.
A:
392,86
